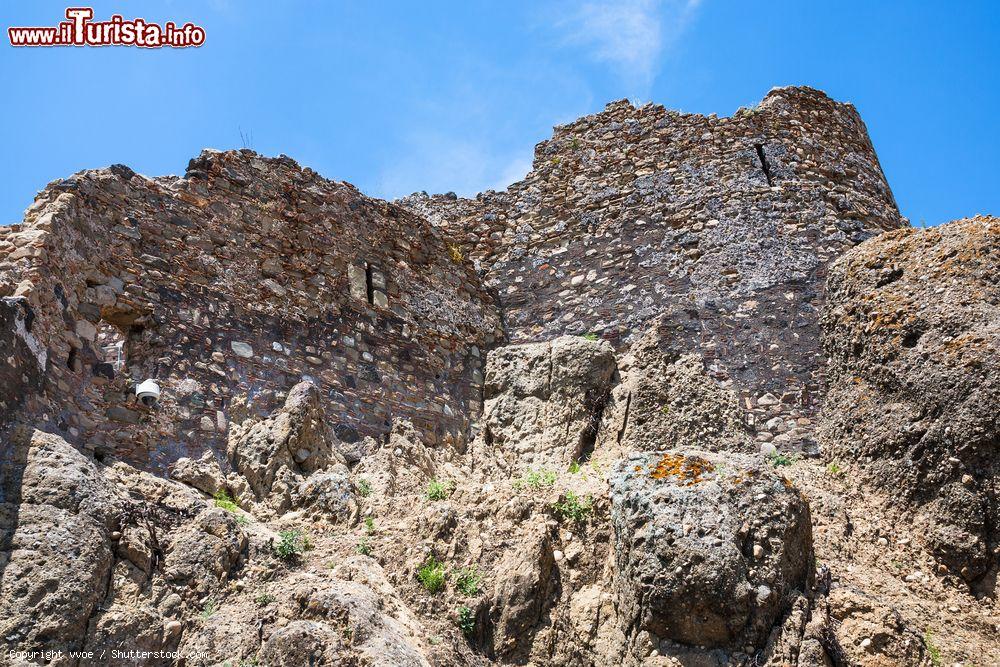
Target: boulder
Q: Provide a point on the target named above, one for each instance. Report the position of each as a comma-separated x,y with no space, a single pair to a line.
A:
203,473
665,400
275,454
543,401
328,495
912,330
523,593
709,548
201,555
56,519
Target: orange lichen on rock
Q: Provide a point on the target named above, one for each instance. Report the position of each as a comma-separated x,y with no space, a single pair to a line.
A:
688,469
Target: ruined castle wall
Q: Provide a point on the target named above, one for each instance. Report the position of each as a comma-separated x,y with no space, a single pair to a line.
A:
228,286
723,225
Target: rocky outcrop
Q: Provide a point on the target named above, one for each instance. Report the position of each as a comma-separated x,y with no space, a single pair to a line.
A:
523,594
543,401
708,548
273,457
913,334
666,399
58,516
202,473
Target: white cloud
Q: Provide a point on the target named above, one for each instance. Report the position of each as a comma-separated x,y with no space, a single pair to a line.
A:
629,35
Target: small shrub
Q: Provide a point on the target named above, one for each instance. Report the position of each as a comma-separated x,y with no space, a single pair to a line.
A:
575,143
536,479
466,621
439,489
574,508
243,520
834,468
456,253
369,525
208,610
574,467
263,599
589,336
932,650
289,546
364,487
778,459
226,502
364,546
467,580
431,575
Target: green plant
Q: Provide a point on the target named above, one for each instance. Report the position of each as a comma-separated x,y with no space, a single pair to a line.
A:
431,575
466,621
932,650
289,546
834,468
575,143
364,546
263,599
467,580
589,336
573,507
439,489
307,544
226,502
536,479
778,459
364,487
574,467
208,610
242,520
369,525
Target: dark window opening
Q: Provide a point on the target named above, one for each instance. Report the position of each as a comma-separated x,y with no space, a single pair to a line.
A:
764,165
368,283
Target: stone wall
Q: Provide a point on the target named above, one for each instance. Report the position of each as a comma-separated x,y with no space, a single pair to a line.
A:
228,286
233,283
725,225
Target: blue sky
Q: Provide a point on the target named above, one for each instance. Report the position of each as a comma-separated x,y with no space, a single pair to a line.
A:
403,96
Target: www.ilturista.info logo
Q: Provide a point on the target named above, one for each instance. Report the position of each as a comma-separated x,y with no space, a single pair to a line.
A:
79,30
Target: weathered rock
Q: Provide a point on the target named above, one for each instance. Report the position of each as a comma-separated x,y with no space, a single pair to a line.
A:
304,643
708,548
330,495
870,632
912,329
523,594
200,557
666,400
56,519
203,473
543,401
274,455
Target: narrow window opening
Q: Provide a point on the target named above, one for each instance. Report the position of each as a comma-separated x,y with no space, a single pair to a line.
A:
368,283
763,164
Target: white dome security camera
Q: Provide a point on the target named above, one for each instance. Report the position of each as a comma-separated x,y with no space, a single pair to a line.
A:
148,392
